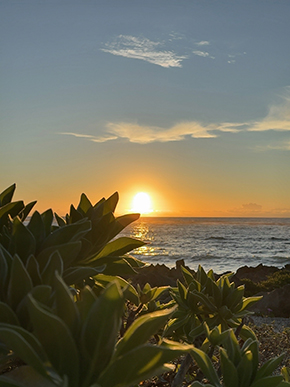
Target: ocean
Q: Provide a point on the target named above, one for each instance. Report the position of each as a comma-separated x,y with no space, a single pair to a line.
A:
221,244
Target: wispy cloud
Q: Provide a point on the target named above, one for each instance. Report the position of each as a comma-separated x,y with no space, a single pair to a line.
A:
204,54
278,119
144,49
232,57
148,134
90,137
203,43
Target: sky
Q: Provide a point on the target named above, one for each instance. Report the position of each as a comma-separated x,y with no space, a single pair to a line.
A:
186,100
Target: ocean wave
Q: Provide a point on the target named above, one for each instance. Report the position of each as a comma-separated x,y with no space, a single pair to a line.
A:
279,239
216,238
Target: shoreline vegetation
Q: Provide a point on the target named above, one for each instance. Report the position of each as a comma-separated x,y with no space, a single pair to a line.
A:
77,310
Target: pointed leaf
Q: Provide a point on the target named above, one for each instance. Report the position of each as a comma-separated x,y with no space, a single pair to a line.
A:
84,205
111,203
68,252
100,331
23,242
148,361
84,305
56,339
55,264
129,291
119,247
69,233
204,363
7,195
142,330
26,346
269,367
269,381
65,305
60,220
19,284
247,302
32,268
37,228
7,315
47,217
229,372
76,274
26,210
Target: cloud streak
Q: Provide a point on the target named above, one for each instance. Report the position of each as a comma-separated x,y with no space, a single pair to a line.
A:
143,49
148,134
277,119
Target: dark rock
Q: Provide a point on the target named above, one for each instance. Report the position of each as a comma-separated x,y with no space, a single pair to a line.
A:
275,303
256,274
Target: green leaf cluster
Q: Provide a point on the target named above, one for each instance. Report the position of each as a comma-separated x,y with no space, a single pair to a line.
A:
238,365
79,341
67,312
202,298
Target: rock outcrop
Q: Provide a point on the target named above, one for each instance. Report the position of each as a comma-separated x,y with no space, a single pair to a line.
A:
275,303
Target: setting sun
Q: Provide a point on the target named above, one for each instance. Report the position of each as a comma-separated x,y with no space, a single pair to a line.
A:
142,203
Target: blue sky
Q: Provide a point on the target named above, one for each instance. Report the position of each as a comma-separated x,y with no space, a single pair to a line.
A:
187,100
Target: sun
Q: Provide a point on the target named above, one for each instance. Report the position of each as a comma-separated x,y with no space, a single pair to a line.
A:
142,203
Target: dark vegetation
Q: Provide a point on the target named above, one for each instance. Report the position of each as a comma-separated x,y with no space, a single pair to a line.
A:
70,317
274,281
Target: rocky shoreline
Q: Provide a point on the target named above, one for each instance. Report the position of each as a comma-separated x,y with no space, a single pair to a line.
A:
274,304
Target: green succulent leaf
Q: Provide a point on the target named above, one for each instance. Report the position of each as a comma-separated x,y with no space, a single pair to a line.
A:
32,268
57,341
7,314
269,367
3,273
269,381
68,251
111,203
5,381
119,247
26,210
85,303
100,331
148,361
130,292
245,369
47,217
247,302
65,305
20,283
69,233
60,220
11,209
141,330
76,274
7,195
205,365
23,242
54,264
229,372
84,205
26,346
37,228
